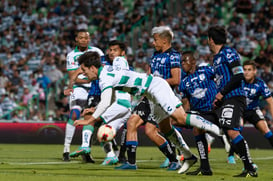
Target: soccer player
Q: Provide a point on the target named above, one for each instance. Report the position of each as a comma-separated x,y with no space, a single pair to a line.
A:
165,63
78,99
231,96
154,88
255,88
198,91
120,107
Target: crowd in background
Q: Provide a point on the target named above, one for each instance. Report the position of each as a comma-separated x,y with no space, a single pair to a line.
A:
36,35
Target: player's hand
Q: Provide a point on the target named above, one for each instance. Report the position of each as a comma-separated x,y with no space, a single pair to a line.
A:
68,92
81,122
90,110
218,100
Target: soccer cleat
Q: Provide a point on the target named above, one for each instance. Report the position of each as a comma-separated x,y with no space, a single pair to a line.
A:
187,163
80,151
174,166
126,166
231,160
254,166
87,158
165,164
200,171
247,173
110,160
66,157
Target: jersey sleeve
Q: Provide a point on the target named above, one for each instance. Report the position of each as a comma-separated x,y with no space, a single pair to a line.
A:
120,63
265,90
210,72
106,79
71,64
175,60
182,90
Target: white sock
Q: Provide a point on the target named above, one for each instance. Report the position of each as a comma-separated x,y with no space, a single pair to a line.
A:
210,139
201,123
179,142
69,133
86,136
108,149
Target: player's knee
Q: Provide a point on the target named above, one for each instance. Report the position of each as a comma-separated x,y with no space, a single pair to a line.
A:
132,123
179,117
150,130
75,114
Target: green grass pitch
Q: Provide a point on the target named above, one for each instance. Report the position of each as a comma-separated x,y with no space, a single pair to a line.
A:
41,162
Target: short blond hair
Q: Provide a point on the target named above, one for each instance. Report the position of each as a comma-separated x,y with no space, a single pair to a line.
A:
163,31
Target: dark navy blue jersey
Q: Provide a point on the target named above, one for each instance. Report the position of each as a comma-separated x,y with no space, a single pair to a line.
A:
199,88
183,74
95,90
254,91
162,63
224,70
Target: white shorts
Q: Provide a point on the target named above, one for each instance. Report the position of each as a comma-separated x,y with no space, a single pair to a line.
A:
163,101
78,98
116,115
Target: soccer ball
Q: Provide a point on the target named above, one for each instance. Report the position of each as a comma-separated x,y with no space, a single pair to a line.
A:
106,133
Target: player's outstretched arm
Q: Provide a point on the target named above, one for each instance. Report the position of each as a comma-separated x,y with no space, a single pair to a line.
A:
84,122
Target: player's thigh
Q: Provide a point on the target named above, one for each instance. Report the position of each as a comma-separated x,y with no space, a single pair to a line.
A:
78,99
116,115
159,92
253,116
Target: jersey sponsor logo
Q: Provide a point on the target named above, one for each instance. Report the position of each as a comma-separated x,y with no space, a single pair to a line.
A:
227,113
199,93
224,121
260,114
140,113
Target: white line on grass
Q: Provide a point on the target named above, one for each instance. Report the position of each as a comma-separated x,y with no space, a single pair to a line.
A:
77,162
44,163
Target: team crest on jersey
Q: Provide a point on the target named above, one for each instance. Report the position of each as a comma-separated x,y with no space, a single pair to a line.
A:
202,77
163,60
110,69
253,91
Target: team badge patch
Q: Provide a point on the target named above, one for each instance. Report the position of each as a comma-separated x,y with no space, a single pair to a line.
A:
110,69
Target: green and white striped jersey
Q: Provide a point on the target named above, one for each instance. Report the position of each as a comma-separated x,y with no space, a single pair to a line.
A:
72,60
125,80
